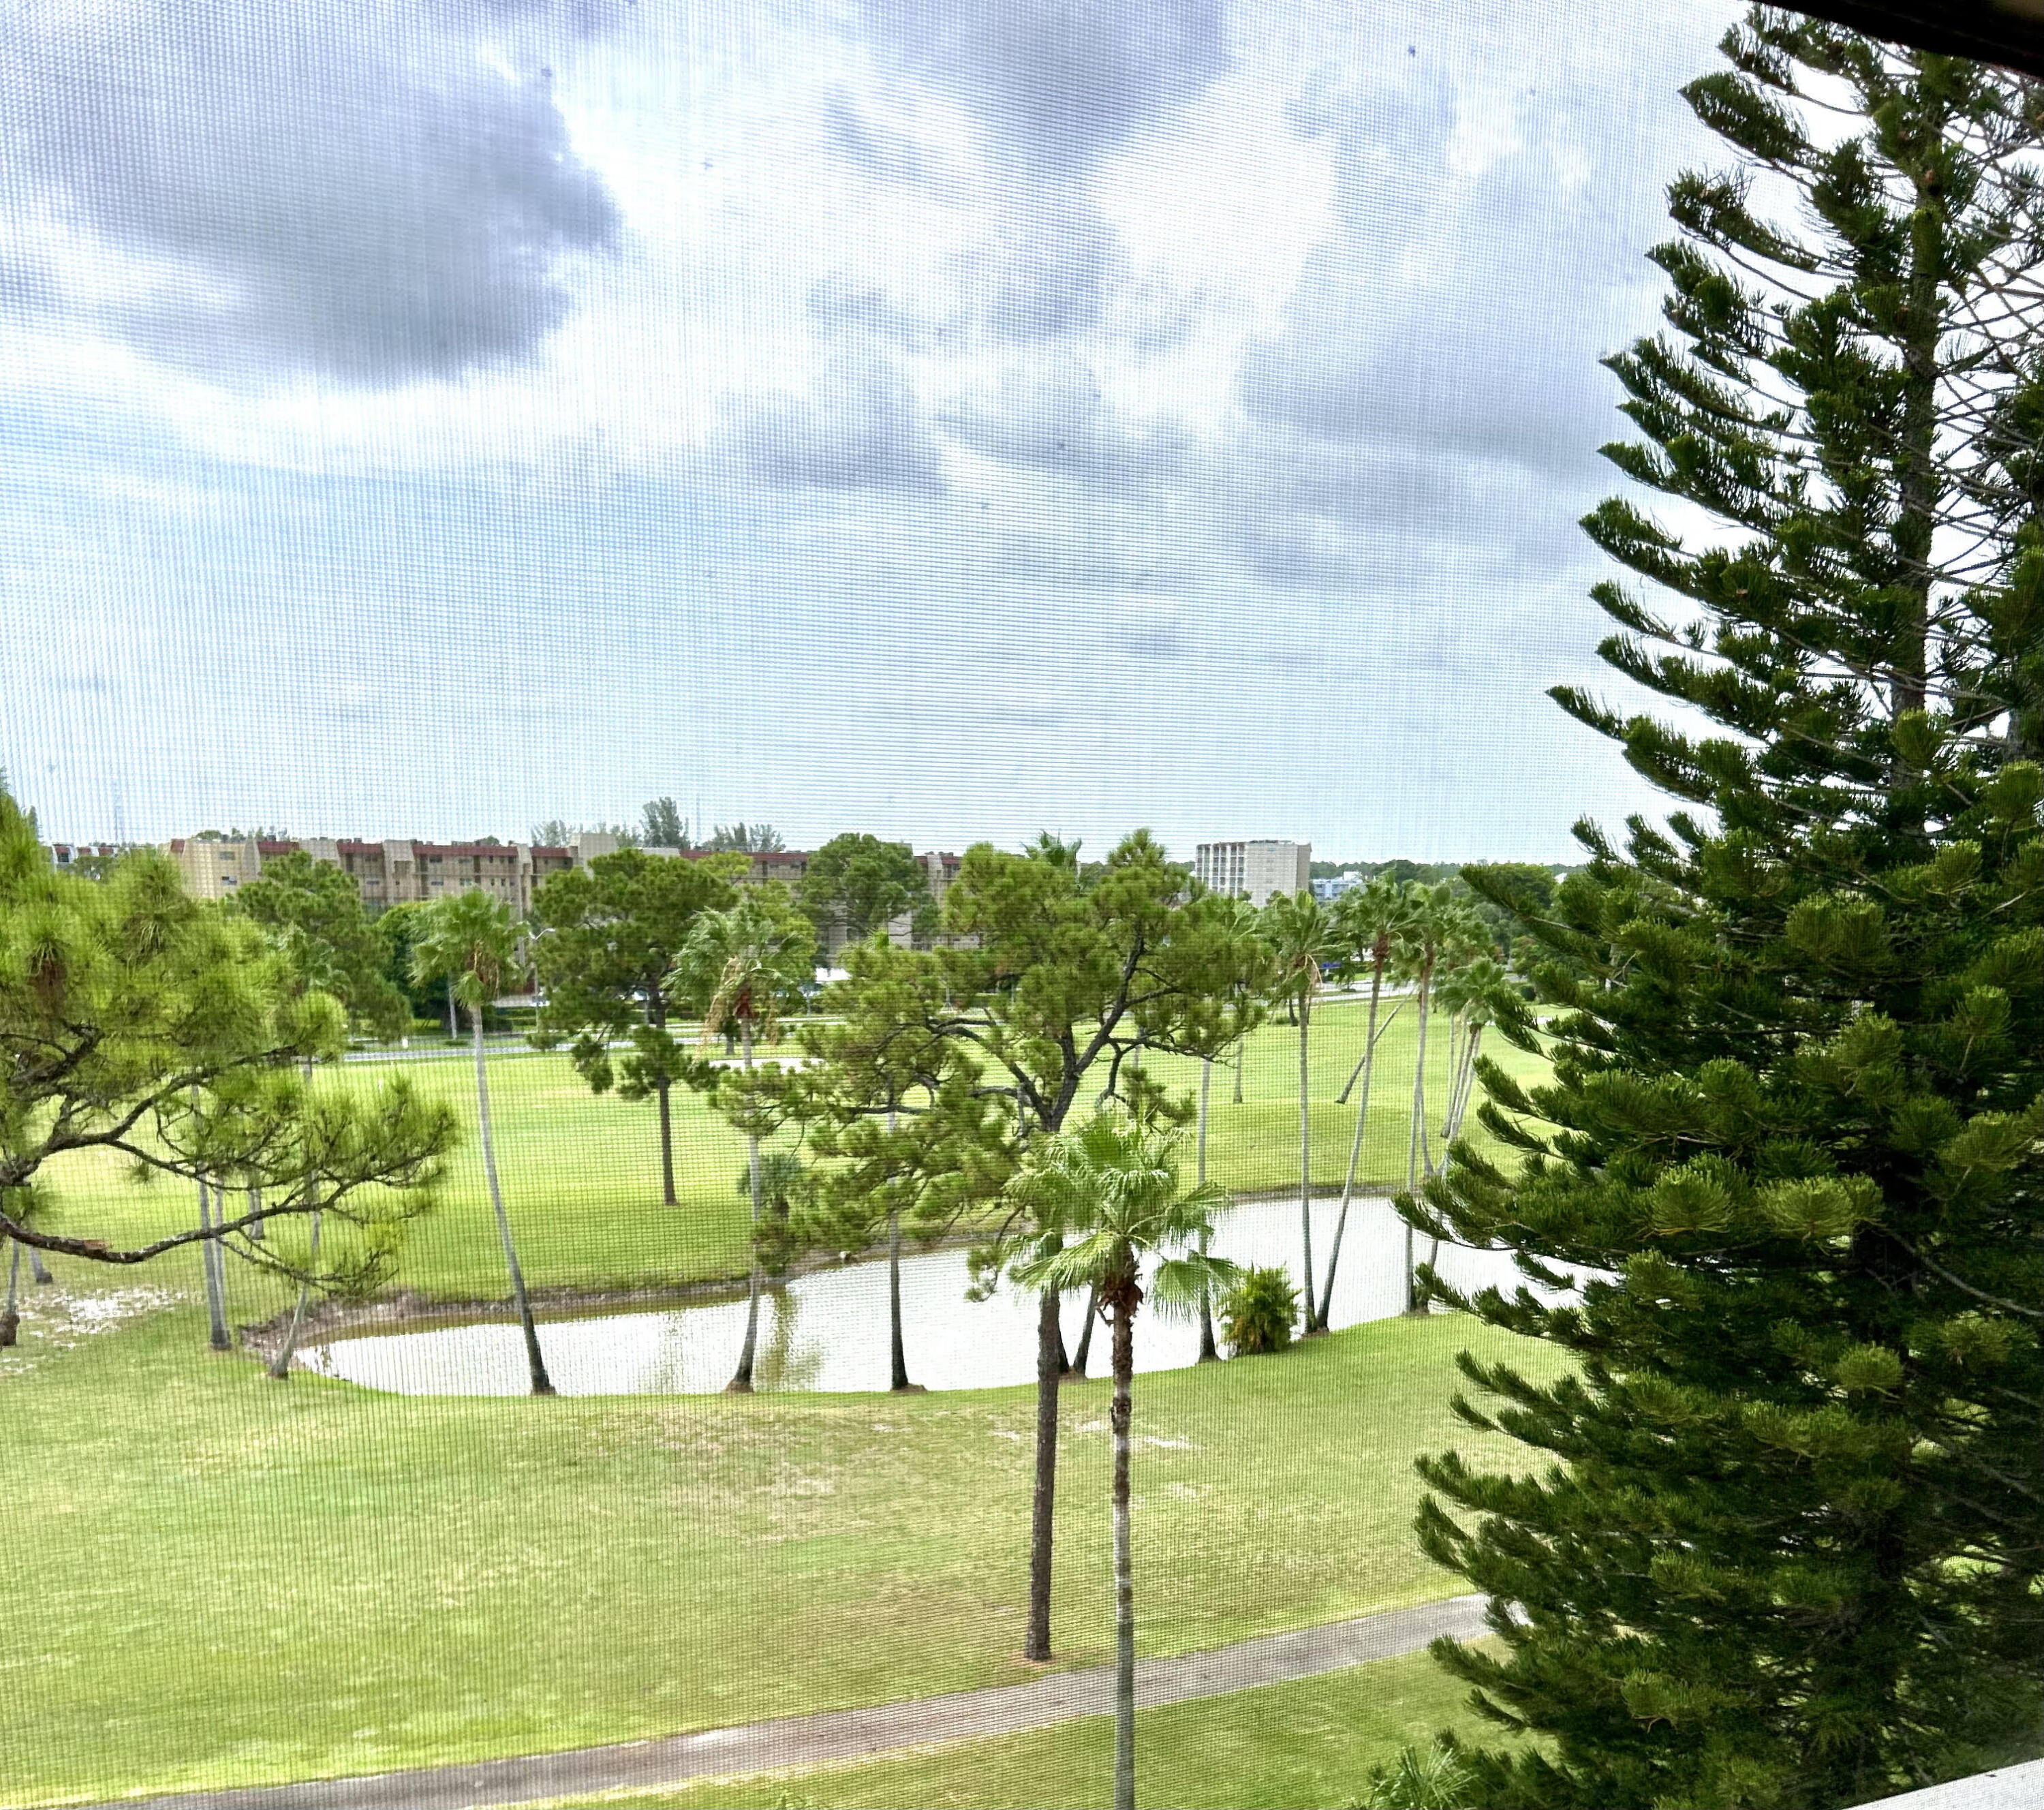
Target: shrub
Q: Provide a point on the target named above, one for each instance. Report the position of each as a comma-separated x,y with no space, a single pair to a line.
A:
1261,1312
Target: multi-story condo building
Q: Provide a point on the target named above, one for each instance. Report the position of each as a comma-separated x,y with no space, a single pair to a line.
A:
390,872
1254,869
398,872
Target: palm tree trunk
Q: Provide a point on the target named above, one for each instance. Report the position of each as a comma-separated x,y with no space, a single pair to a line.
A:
1209,1352
1118,1418
1042,1505
215,1274
1460,1089
38,1269
454,1029
10,1320
1418,1120
661,1090
541,1385
1370,1048
1306,1168
1085,1335
897,1356
1355,1144
280,1367
741,1380
1241,1056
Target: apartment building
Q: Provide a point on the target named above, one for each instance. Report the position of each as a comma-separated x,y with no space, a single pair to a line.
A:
1254,869
400,872
393,871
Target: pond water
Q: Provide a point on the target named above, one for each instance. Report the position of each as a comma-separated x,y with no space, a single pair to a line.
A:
828,1329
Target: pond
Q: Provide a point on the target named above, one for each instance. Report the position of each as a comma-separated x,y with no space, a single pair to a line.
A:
828,1329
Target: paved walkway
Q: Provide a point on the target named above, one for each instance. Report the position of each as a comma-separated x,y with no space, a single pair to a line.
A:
847,1734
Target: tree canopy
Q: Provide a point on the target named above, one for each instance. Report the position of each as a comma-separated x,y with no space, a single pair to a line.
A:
863,884
138,1023
316,909
609,934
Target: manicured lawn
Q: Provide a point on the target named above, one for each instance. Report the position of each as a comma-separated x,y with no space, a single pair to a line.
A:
217,1580
581,1172
1294,1747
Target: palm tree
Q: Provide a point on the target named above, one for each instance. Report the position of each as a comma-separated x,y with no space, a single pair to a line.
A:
1439,929
1371,919
211,1264
1472,995
1209,1352
1303,941
738,968
1115,1185
470,941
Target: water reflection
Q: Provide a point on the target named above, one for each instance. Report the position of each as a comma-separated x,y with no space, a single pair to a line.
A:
828,1330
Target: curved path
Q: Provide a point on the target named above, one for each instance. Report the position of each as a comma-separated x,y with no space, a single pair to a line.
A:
848,1734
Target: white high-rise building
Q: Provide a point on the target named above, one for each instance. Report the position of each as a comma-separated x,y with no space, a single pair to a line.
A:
1255,869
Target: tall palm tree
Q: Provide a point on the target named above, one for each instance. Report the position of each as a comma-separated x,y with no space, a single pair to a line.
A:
470,941
1303,941
1470,993
1372,920
1441,930
738,968
1115,1185
1209,1352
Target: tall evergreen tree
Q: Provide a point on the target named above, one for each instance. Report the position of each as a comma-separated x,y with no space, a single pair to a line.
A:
1791,1549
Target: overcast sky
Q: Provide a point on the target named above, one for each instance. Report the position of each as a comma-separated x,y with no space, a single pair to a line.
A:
949,418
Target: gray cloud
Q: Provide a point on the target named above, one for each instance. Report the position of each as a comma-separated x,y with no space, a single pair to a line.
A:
324,187
860,428
1060,79
1050,413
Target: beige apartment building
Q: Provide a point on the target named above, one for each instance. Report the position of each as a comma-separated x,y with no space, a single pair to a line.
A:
1254,869
395,871
390,872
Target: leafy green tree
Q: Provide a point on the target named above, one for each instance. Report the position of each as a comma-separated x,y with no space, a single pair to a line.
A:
662,825
915,1137
167,1034
862,884
1113,1187
938,1068
471,940
1790,1551
396,926
742,966
1304,943
1371,921
334,940
609,934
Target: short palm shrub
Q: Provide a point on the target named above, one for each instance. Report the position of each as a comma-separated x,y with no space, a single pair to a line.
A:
1430,1778
1261,1312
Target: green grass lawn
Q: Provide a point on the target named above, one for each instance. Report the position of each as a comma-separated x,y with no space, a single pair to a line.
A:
581,1172
219,1580
1293,1746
